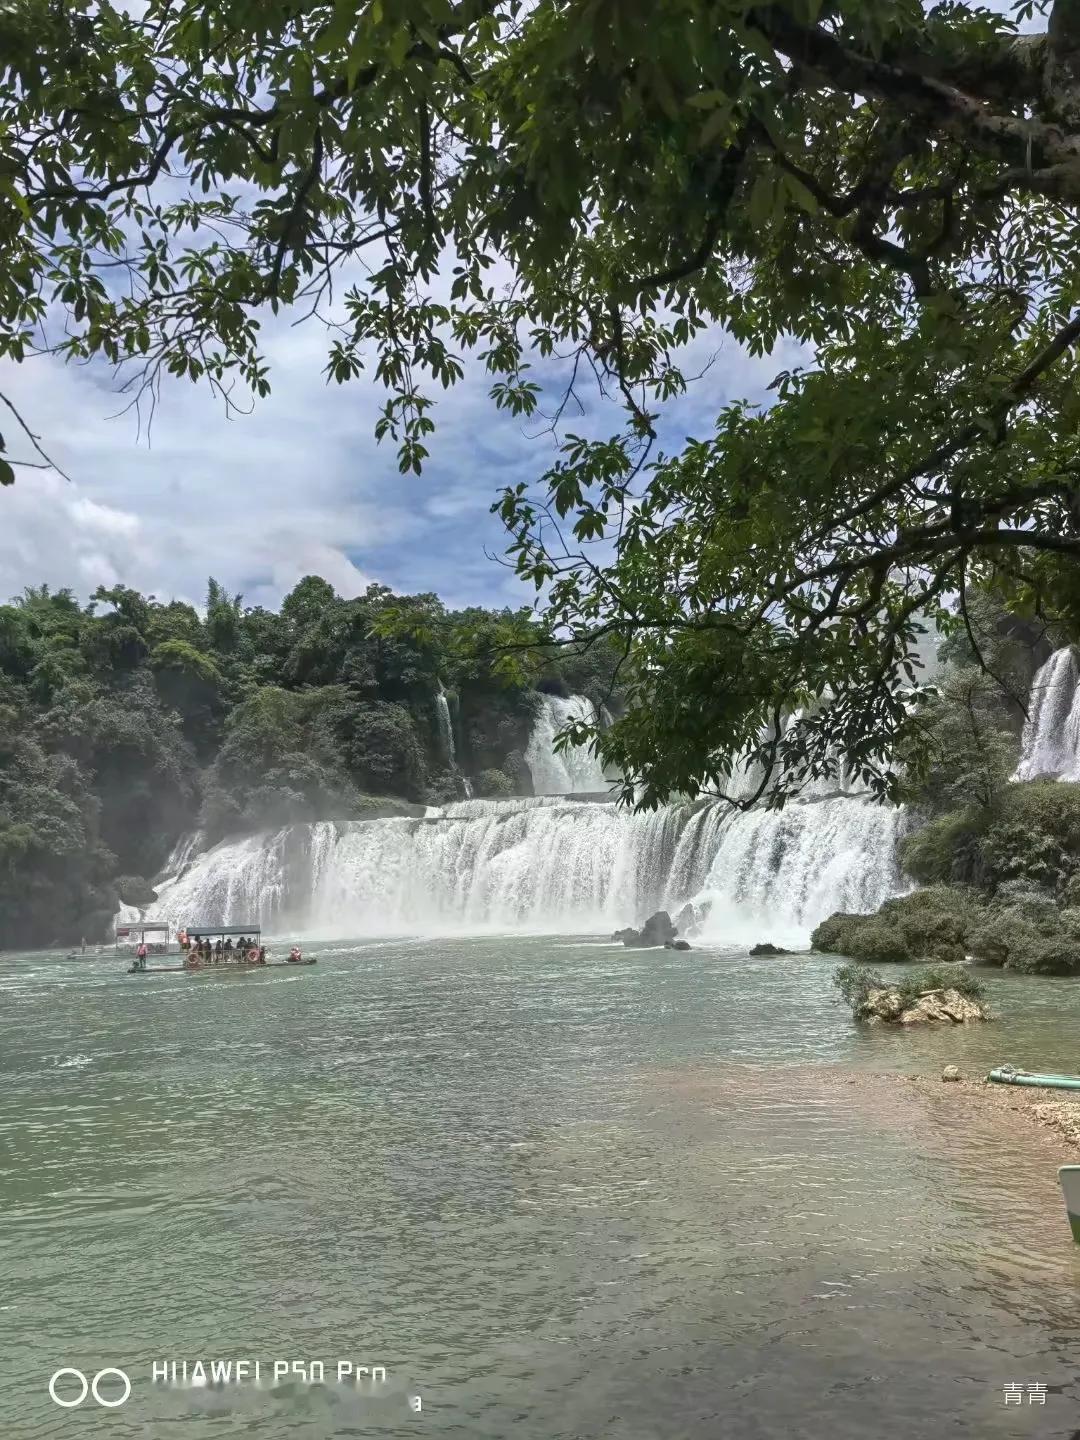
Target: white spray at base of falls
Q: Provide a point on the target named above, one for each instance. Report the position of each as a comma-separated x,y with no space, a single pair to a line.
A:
550,866
1050,745
574,770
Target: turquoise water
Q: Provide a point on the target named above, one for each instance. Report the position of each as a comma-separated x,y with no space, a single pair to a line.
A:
559,1190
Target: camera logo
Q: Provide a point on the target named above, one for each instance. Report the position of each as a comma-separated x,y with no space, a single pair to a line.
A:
88,1387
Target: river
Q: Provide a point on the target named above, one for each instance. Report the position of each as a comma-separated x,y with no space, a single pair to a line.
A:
559,1190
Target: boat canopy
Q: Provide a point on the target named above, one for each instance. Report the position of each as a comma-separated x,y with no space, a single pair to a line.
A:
208,930
154,934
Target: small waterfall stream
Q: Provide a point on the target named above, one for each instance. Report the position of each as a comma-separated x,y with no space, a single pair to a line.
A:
574,770
1050,745
446,728
445,722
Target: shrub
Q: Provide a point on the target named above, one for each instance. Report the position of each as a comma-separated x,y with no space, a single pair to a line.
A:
855,982
942,977
1050,957
945,849
929,924
1035,836
875,943
1031,938
831,935
494,784
933,923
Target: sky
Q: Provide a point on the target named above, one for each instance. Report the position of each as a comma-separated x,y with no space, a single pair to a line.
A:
298,487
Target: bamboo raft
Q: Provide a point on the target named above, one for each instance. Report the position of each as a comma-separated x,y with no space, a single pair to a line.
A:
227,967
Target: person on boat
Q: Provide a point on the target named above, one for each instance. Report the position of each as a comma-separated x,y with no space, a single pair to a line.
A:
228,946
140,955
295,955
219,950
262,954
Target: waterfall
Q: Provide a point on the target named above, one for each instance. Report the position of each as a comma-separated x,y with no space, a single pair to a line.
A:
446,734
574,770
1050,745
446,728
552,866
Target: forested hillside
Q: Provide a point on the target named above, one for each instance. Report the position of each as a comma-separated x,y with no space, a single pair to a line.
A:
126,721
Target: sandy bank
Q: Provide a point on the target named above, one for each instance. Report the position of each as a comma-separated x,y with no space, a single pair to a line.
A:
973,1096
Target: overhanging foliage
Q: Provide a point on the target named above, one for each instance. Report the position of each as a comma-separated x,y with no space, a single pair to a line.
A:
894,187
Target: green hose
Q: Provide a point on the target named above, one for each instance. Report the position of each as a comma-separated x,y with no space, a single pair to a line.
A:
1006,1075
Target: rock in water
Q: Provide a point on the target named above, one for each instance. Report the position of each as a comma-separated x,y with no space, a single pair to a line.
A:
677,945
883,1005
657,930
951,1072
935,1007
766,949
945,1005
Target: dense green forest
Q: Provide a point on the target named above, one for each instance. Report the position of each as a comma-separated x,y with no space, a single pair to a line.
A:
126,721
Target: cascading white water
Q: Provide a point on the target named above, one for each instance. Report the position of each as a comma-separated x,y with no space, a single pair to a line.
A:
1050,745
446,728
446,734
782,871
552,866
574,770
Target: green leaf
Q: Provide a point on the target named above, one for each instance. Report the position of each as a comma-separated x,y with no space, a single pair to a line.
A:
709,100
7,474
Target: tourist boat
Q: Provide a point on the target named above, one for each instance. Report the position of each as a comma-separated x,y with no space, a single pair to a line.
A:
154,934
230,962
1069,1175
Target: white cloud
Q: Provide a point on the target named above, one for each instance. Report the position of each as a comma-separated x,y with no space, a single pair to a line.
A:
297,487
102,519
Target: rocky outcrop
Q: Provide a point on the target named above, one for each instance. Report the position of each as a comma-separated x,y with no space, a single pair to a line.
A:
929,924
933,1007
766,949
657,930
936,994
133,890
677,945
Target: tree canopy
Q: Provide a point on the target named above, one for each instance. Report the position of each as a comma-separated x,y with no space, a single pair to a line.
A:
598,188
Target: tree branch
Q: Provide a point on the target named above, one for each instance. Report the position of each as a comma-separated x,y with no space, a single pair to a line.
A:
1022,141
